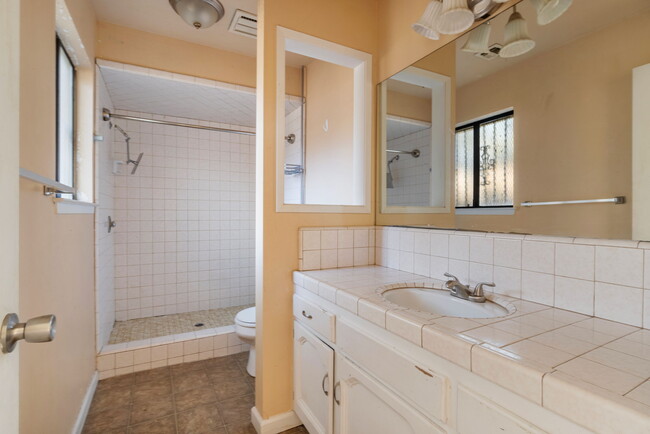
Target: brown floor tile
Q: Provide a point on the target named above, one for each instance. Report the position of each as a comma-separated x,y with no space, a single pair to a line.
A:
184,368
199,420
152,375
221,361
194,397
218,374
110,419
151,389
237,410
155,408
190,380
232,388
241,428
297,430
110,398
165,425
116,382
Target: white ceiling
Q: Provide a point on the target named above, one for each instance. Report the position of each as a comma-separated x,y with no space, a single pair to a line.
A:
582,18
157,16
399,127
157,92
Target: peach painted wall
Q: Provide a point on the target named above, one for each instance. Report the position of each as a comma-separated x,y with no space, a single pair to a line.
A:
408,106
350,23
573,131
56,251
329,156
135,47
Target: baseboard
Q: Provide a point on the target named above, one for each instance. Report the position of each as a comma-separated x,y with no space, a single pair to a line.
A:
85,405
274,424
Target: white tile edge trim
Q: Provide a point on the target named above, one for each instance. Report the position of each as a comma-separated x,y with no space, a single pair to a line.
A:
485,211
274,424
85,405
68,206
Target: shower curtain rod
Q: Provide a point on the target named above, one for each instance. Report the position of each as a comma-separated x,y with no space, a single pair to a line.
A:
107,115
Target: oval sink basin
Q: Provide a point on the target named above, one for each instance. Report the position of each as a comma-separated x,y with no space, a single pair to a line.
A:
442,303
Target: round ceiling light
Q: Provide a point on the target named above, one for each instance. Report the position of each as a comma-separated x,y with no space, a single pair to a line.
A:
198,13
455,17
517,41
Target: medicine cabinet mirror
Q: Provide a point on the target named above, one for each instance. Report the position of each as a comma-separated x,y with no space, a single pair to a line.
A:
541,126
323,130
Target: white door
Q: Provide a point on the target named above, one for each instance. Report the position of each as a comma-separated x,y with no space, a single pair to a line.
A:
365,406
313,379
9,124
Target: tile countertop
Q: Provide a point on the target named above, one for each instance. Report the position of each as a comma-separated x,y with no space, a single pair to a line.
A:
593,371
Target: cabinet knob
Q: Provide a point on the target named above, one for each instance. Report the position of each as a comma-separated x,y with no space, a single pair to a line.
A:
39,329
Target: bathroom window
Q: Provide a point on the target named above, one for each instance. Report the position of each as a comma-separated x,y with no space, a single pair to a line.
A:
484,162
65,112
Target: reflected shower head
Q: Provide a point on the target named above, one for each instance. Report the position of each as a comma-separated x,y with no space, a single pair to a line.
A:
135,163
389,175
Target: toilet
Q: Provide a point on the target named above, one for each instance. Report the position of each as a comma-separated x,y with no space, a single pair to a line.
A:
245,329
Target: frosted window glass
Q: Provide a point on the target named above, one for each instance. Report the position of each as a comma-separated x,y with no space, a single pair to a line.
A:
496,163
65,119
464,167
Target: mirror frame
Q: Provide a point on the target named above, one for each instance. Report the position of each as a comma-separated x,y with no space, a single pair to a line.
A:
445,123
361,63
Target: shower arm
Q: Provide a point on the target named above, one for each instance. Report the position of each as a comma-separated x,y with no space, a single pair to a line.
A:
415,153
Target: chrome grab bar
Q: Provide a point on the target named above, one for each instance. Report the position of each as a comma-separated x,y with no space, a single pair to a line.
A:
50,186
615,200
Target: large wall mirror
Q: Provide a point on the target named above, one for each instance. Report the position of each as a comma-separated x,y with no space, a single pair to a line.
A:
540,115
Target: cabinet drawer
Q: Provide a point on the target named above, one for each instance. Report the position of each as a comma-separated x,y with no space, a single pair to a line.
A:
314,317
424,389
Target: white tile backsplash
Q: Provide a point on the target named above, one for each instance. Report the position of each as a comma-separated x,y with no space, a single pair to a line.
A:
481,249
619,303
575,261
459,247
619,266
574,294
538,256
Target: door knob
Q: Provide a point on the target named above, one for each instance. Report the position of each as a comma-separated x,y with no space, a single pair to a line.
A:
39,329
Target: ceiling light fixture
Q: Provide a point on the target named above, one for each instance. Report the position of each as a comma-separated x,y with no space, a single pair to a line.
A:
428,22
198,13
478,40
517,41
550,10
455,17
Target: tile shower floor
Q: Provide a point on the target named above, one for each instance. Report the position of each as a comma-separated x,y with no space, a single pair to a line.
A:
165,325
208,396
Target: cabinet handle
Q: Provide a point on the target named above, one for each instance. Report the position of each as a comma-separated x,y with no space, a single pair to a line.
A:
323,384
336,387
306,315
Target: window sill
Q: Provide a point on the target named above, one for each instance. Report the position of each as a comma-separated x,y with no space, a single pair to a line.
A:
70,206
485,211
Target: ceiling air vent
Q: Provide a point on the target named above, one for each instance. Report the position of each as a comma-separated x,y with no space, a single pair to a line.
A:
244,23
493,52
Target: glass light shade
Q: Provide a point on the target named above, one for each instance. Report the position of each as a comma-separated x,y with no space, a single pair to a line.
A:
478,40
550,10
426,25
198,13
455,17
517,41
500,1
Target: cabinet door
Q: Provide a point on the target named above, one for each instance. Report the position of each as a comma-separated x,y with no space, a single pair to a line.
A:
313,380
365,406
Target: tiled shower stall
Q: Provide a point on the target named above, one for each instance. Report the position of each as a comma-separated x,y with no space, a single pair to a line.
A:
179,263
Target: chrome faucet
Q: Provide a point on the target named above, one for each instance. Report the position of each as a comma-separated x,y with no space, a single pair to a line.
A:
459,290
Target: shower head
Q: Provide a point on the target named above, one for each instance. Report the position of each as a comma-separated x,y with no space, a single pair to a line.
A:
135,163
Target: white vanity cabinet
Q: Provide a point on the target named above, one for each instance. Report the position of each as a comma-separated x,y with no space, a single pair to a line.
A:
313,378
365,406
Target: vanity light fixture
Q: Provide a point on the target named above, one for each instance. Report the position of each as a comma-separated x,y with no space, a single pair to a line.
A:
478,40
452,16
428,22
455,17
517,41
550,10
198,13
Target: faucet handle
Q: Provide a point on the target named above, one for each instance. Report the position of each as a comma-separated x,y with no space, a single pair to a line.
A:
452,277
478,289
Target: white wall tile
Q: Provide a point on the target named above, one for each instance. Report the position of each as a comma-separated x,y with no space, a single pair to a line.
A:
460,269
574,261
538,287
438,266
459,247
345,239
646,308
574,294
538,256
361,238
421,264
480,273
311,240
619,303
406,261
329,239
507,253
422,243
619,266
507,281
406,241
481,249
439,245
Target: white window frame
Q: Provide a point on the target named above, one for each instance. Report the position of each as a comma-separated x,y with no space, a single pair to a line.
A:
361,63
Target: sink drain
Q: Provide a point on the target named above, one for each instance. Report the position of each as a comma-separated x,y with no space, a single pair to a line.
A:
199,324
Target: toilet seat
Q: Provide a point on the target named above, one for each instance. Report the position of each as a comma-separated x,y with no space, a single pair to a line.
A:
246,317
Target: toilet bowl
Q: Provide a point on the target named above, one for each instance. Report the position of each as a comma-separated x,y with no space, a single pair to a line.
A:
245,329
